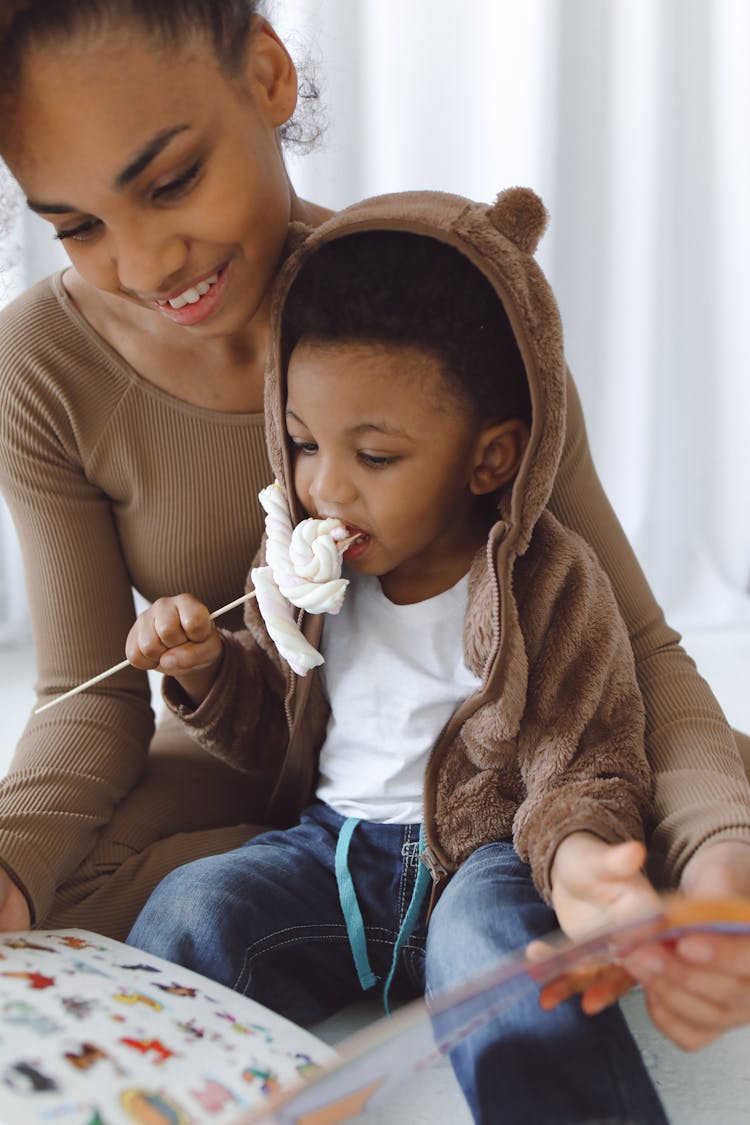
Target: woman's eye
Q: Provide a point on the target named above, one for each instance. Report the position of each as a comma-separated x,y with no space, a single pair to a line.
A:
179,186
84,232
377,461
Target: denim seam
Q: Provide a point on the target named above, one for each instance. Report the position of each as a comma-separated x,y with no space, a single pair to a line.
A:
251,957
333,931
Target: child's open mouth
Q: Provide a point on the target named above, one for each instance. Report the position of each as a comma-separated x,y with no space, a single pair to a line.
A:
350,540
357,543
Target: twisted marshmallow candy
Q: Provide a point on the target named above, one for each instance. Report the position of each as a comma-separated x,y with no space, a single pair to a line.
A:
304,570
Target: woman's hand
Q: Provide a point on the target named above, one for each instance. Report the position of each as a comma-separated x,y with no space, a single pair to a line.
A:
14,909
177,636
700,987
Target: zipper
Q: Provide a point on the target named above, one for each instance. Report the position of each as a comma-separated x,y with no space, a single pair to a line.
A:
438,873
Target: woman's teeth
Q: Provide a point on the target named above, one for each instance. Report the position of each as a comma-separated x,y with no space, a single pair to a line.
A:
193,295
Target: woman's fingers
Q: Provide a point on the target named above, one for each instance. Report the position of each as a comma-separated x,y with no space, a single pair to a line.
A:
14,909
697,990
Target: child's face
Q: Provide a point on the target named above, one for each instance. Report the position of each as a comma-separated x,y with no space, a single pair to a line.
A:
379,441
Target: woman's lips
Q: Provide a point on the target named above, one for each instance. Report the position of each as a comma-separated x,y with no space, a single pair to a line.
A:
197,302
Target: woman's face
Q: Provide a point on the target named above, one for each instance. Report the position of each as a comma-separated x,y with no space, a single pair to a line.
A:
162,175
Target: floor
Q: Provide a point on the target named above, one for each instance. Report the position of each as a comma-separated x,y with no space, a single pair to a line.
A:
711,1087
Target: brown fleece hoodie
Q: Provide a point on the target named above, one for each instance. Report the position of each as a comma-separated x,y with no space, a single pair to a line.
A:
553,740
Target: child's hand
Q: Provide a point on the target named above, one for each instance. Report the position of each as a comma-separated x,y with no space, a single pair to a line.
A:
176,636
595,883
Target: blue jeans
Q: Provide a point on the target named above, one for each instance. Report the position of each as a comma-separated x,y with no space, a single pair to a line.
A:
266,920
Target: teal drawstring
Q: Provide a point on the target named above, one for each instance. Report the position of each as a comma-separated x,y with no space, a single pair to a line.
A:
355,927
421,883
353,916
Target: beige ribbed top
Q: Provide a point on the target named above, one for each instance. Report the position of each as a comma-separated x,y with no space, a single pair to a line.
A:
115,484
112,484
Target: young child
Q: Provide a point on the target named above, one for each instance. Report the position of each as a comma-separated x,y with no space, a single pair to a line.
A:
476,715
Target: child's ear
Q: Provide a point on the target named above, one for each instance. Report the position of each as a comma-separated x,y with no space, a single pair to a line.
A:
498,454
271,73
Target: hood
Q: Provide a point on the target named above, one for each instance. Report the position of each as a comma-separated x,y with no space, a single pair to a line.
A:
499,239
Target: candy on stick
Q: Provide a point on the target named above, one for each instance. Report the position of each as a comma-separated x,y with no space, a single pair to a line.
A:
304,570
306,560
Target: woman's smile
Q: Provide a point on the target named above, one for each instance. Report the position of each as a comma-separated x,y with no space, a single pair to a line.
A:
197,301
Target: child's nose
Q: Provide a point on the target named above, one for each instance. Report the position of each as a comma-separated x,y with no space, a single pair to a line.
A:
331,486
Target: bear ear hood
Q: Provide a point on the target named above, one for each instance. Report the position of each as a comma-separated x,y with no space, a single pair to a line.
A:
499,239
519,214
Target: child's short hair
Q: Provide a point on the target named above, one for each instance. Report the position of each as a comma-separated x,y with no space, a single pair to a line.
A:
396,287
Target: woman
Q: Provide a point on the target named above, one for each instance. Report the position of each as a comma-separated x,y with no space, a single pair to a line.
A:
131,454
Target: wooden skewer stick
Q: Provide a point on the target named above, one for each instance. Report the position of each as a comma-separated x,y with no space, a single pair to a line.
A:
126,663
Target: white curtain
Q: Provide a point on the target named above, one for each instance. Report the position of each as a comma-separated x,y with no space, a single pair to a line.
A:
629,119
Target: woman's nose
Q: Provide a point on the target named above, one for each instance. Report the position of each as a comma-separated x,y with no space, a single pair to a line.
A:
148,265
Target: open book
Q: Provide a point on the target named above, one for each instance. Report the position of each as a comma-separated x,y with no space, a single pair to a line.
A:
93,1032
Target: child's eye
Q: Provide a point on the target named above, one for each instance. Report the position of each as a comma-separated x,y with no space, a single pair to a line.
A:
306,447
84,232
179,186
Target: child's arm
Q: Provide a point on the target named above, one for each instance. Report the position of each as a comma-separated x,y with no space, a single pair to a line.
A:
581,742
221,685
177,636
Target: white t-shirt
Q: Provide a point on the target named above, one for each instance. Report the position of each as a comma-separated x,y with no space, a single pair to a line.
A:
394,674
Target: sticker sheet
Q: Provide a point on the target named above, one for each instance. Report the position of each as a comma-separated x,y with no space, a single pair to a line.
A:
94,1032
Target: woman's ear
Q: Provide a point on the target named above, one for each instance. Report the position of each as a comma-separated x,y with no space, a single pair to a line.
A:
271,73
499,451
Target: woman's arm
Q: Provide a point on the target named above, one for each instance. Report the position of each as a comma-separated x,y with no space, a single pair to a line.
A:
75,763
112,485
701,836
701,794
